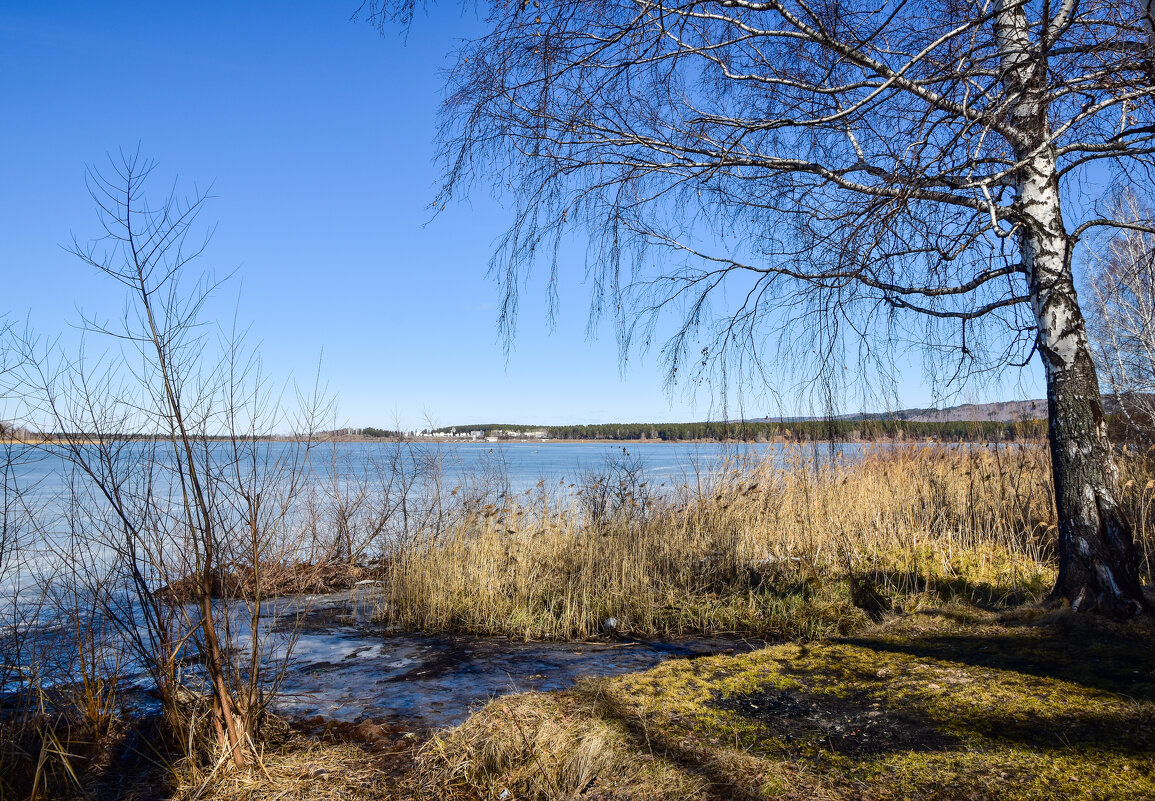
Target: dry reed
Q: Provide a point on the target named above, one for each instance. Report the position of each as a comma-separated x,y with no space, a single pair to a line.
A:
788,547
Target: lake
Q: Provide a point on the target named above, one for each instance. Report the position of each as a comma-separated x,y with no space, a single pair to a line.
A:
523,464
54,495
527,464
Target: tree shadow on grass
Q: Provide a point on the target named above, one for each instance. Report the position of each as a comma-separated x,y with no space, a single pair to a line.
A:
1089,653
879,592
932,717
1085,655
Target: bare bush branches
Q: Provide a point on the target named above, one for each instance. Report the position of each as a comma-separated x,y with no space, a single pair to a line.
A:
173,487
1122,291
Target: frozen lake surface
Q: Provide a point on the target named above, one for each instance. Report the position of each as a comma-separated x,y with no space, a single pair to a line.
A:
47,491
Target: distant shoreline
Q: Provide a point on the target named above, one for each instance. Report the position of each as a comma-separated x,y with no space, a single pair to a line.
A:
909,440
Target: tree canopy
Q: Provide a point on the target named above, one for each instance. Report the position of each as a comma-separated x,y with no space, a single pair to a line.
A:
797,182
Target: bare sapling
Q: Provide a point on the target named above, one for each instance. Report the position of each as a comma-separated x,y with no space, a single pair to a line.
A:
181,502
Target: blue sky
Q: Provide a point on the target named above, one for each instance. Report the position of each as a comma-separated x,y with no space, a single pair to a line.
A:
317,136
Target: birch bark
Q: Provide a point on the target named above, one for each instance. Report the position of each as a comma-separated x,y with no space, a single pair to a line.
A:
1098,561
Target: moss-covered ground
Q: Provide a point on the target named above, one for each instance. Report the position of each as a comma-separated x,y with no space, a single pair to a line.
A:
952,704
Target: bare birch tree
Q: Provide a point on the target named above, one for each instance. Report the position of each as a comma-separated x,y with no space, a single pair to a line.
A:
790,177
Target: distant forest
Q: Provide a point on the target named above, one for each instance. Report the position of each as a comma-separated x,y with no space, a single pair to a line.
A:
842,430
800,430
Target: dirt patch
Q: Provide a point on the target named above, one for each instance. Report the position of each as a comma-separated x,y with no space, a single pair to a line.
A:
390,747
855,727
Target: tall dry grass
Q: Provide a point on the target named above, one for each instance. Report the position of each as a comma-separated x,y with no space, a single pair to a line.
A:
788,547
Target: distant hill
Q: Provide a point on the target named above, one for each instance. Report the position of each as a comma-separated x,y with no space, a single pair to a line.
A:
998,412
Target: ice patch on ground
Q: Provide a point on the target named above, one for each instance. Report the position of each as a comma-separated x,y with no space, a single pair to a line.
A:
352,671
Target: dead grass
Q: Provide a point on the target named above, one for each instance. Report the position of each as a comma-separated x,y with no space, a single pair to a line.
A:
279,579
136,762
779,549
293,766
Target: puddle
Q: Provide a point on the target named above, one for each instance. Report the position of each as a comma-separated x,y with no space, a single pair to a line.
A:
346,668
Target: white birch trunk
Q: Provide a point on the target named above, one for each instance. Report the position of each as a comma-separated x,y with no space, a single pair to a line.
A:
1098,562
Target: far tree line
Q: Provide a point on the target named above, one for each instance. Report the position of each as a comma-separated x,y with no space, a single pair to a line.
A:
1125,428
870,430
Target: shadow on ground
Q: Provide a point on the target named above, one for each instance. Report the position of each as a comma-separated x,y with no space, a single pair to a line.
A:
938,706
1092,653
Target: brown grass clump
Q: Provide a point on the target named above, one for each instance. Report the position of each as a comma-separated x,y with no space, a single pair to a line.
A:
782,548
278,579
291,766
537,746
